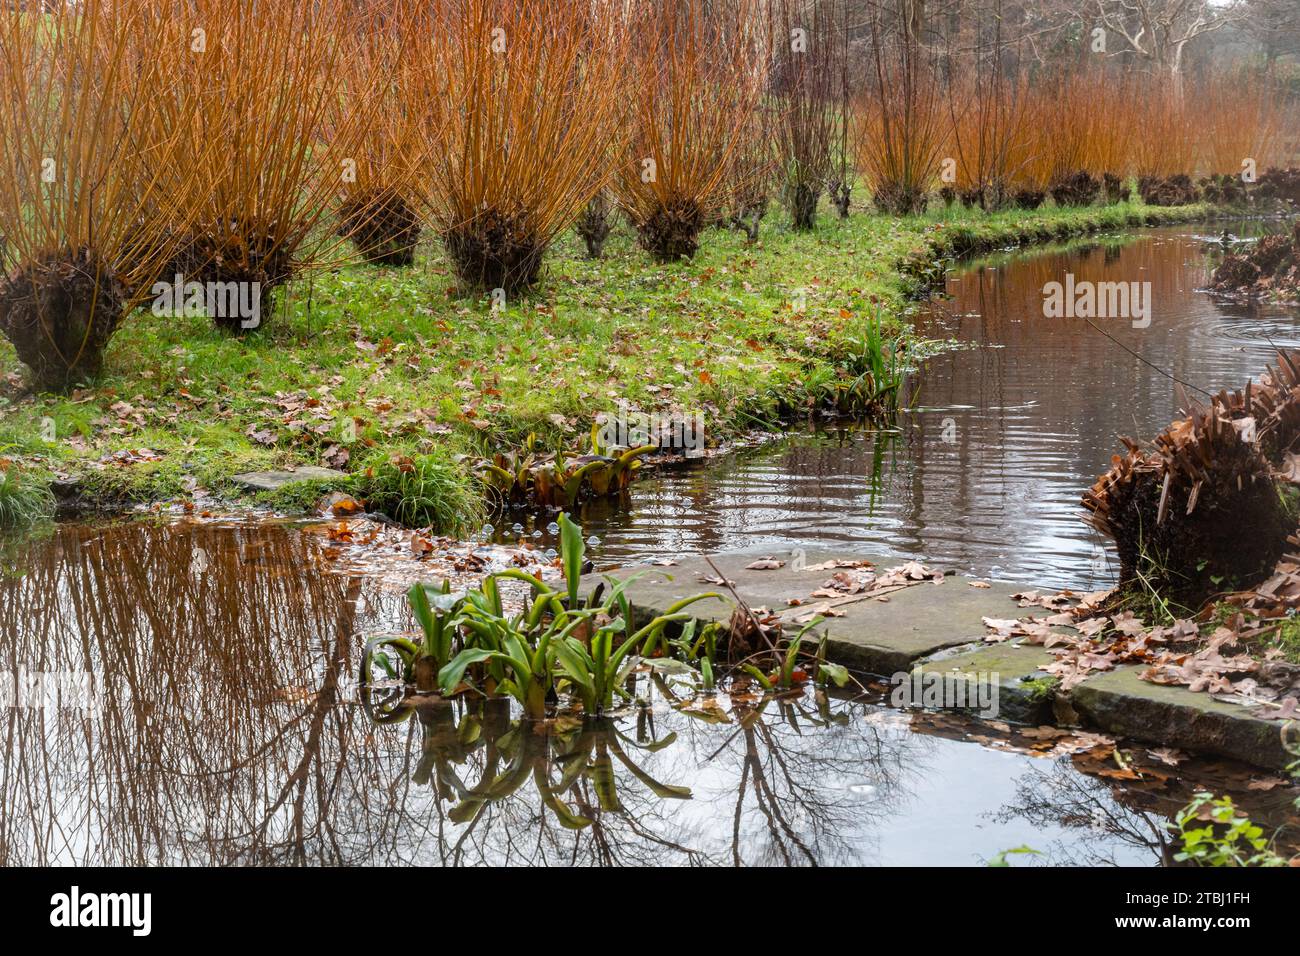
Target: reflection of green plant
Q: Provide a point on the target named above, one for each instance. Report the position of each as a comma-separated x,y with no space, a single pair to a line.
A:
1228,838
512,755
1000,859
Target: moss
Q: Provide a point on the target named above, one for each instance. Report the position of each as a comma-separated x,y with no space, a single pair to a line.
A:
301,497
139,483
1040,688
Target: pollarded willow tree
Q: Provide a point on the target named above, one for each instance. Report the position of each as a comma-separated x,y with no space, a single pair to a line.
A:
82,212
534,111
695,88
806,76
255,97
390,80
900,117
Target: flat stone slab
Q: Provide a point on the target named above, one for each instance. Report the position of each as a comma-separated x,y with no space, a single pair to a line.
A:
875,636
1023,693
273,480
932,628
1120,703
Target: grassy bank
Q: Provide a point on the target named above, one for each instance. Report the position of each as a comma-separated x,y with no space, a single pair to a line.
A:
365,363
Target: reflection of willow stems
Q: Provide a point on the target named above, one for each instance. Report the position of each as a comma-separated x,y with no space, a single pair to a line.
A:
766,798
474,799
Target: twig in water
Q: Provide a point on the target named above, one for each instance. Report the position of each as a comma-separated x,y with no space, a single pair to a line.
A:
1149,364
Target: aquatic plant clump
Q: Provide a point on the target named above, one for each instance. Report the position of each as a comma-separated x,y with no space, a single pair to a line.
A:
424,491
24,498
60,313
567,650
383,227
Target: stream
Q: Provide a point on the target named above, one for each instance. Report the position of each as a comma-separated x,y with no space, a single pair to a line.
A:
219,721
998,439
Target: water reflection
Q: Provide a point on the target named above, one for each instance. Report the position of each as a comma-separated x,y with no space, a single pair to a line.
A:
228,730
984,471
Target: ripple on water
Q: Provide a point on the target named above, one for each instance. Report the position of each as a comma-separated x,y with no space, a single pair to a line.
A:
998,440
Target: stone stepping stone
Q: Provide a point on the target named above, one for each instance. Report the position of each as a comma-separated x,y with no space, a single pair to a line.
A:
273,480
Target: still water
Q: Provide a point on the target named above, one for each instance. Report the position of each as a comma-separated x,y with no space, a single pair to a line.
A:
223,723
984,468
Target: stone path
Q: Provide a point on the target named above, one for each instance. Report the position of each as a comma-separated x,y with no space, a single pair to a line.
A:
937,629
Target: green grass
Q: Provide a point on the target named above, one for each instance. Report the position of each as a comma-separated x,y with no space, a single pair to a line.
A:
377,362
25,498
424,491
